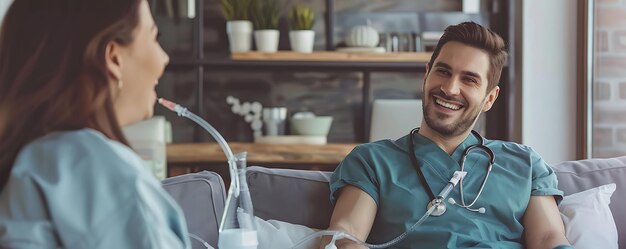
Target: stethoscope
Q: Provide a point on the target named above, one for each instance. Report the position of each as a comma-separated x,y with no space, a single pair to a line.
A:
438,201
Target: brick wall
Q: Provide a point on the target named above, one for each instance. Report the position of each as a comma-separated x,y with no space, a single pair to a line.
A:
609,85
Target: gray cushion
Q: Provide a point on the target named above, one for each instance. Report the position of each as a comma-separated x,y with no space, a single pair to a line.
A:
576,176
201,196
295,196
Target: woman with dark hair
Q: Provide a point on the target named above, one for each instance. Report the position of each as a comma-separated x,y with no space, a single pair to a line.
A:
72,72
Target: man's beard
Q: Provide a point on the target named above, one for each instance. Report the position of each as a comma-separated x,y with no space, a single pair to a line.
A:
454,129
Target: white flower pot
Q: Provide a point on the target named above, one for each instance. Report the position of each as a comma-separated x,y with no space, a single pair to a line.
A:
239,35
266,40
471,6
302,40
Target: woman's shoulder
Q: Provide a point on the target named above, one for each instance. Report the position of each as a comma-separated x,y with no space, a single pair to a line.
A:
74,139
83,151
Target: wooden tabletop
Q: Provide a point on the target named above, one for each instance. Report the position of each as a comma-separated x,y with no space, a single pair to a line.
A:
260,153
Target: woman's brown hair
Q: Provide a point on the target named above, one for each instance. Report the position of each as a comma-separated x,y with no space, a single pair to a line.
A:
53,74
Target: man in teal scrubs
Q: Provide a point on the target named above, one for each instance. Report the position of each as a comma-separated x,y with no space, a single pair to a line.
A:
377,192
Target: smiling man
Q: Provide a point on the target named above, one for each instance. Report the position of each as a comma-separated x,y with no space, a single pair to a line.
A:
382,188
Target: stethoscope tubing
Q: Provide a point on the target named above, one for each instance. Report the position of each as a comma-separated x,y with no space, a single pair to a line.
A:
491,156
480,146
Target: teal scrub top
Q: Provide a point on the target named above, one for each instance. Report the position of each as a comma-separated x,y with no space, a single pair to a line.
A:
79,189
383,170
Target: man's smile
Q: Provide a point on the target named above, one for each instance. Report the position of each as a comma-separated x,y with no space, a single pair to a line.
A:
446,104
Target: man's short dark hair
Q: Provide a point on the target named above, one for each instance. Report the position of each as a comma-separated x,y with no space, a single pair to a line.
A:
475,35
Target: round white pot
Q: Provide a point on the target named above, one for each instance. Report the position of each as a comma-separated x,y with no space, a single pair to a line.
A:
239,35
266,40
302,40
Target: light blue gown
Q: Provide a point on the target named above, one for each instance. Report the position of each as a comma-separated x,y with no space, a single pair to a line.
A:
383,170
78,189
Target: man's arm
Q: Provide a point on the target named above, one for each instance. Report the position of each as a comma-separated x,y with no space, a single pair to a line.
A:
354,213
543,227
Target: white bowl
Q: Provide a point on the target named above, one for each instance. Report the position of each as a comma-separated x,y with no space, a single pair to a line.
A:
315,126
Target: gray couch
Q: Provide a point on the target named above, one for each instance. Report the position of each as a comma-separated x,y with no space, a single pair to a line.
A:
301,197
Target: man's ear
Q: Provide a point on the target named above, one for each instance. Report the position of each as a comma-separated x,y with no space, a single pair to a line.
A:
491,98
113,60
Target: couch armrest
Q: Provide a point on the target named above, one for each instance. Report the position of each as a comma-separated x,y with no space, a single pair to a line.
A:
201,196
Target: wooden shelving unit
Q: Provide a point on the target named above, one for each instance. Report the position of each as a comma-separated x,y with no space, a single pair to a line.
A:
500,16
331,56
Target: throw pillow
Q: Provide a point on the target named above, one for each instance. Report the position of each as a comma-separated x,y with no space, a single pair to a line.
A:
588,219
279,234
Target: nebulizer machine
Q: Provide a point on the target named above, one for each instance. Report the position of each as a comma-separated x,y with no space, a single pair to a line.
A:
237,229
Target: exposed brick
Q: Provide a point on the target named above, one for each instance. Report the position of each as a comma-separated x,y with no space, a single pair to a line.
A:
621,135
608,152
619,41
611,67
601,91
600,3
602,40
602,136
602,116
622,90
610,17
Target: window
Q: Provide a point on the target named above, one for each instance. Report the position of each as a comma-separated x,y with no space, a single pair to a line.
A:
602,79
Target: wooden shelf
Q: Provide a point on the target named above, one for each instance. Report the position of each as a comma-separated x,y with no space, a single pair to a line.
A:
260,153
305,66
329,56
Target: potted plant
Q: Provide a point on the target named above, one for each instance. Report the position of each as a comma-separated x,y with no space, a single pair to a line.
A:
301,36
238,25
265,15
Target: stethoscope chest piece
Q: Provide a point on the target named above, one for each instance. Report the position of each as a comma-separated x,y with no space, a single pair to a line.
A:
439,210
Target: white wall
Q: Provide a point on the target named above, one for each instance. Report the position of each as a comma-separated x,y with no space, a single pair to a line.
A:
549,78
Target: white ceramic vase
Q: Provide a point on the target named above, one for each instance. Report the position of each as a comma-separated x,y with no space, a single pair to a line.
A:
363,36
266,40
302,40
239,35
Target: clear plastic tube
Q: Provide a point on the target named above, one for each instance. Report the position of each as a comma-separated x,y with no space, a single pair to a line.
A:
204,243
446,191
183,112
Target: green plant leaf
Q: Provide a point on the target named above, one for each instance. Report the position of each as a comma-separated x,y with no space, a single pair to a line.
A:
301,18
235,9
265,14
227,9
